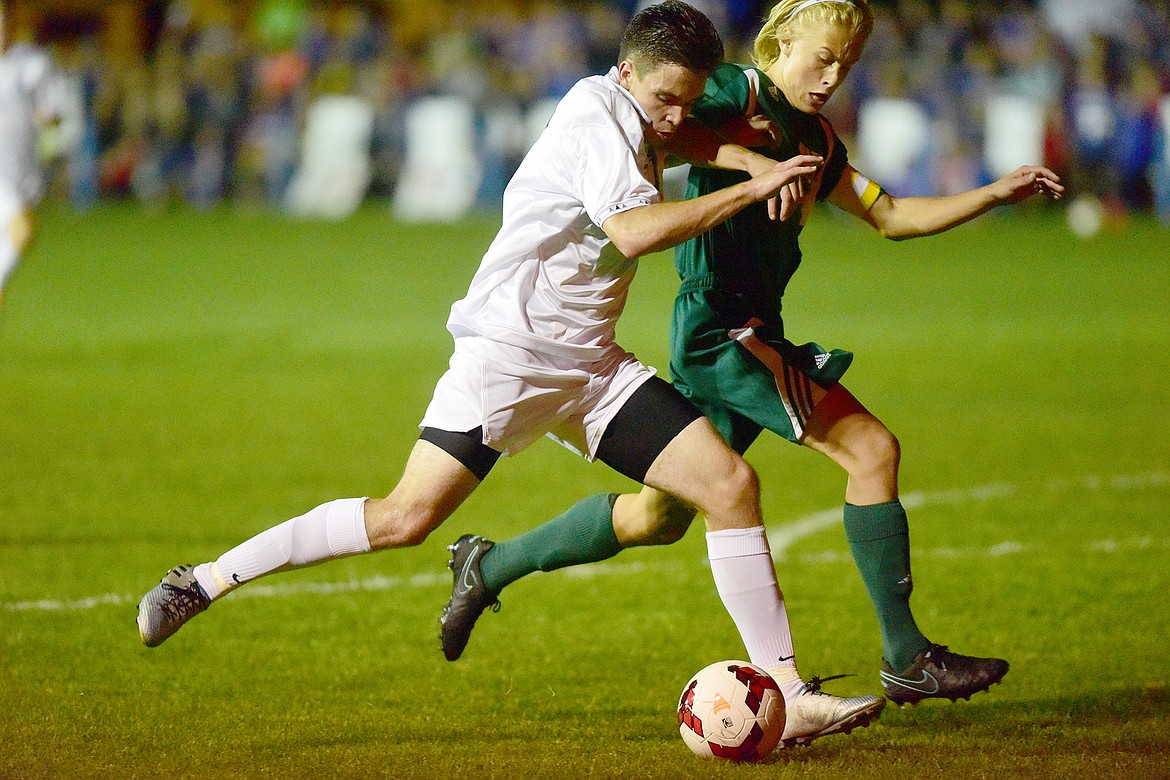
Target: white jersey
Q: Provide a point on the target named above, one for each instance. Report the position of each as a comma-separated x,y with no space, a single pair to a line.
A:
552,281
32,92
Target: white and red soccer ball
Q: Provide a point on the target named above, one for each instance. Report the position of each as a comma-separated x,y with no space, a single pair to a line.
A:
731,710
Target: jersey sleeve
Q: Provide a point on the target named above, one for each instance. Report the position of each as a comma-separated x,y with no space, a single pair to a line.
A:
611,169
609,177
837,163
727,95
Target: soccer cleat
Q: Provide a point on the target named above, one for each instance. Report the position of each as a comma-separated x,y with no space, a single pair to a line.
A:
813,713
469,596
937,673
170,604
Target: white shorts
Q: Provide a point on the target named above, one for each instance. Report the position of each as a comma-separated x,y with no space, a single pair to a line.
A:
516,395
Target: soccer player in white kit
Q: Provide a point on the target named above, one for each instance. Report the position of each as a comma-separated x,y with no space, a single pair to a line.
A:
32,96
535,350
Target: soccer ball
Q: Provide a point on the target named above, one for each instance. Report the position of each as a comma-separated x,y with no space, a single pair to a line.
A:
732,710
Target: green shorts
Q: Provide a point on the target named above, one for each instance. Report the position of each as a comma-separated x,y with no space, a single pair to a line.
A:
745,383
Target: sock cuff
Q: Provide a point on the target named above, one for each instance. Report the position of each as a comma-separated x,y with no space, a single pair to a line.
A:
875,521
345,526
606,535
737,543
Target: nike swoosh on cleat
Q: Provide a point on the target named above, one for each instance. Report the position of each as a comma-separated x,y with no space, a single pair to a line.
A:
465,578
914,685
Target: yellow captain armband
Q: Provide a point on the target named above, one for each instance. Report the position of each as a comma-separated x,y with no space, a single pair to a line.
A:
867,191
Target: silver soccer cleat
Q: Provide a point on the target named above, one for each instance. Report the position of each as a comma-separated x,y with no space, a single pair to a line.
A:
170,604
814,713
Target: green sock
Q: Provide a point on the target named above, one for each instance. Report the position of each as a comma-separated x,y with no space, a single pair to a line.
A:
583,534
879,537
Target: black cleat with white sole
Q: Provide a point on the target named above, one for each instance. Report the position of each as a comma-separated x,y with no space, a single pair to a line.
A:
937,673
469,596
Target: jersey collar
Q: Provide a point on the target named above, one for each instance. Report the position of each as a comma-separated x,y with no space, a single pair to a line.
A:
612,76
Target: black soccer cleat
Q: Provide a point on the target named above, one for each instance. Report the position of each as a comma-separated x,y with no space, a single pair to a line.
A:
469,596
937,673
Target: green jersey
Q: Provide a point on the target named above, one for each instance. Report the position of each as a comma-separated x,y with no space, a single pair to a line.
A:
750,255
734,276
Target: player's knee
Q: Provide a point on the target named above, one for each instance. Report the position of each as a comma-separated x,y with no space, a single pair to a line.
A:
390,526
735,486
882,452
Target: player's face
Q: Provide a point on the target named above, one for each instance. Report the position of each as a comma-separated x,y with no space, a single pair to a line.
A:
812,65
664,93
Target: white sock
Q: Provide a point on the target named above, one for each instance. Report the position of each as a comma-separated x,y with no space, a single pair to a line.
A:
745,577
333,530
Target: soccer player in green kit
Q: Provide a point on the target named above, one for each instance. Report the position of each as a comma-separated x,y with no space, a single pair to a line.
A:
730,358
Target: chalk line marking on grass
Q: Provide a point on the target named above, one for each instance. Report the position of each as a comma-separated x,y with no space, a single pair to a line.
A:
781,539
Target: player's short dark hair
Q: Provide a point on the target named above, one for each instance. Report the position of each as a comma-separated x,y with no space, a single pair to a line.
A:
672,33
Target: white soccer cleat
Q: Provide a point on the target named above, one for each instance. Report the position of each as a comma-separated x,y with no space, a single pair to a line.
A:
812,713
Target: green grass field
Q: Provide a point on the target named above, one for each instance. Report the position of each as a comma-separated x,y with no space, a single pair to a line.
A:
172,383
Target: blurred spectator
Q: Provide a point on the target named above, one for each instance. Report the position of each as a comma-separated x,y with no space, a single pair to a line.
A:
216,110
33,97
1160,168
334,170
1137,134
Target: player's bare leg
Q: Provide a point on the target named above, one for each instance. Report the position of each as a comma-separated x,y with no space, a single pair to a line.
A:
913,668
651,517
433,485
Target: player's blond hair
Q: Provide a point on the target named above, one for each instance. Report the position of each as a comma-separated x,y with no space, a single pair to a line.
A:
789,18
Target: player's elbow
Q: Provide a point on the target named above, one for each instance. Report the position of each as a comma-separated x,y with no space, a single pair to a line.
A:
894,234
629,243
889,220
633,247
628,235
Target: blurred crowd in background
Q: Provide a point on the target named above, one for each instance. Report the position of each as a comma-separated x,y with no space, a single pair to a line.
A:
315,106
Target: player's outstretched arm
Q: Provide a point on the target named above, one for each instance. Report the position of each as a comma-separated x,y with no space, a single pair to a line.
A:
660,226
697,144
901,218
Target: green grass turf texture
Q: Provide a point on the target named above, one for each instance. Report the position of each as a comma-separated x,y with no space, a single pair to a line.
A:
172,383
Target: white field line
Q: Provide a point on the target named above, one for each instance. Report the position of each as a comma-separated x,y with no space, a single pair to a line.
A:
781,539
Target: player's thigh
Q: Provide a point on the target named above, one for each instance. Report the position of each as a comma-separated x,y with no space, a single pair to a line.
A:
700,467
845,431
659,439
643,427
433,485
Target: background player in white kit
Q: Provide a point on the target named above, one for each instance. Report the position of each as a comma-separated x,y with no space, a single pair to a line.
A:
33,93
535,350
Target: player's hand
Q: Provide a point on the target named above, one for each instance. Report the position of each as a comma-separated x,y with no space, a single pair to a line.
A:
1026,181
783,184
791,196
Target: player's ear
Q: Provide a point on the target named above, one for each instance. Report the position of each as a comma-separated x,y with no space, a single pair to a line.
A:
625,73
